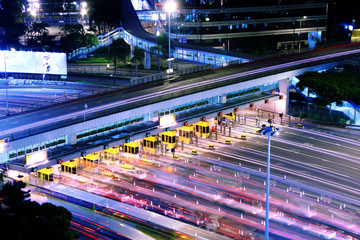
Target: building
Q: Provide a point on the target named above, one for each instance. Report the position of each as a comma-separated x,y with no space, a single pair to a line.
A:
278,26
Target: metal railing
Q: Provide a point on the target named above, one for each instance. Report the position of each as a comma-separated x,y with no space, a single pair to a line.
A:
159,76
174,93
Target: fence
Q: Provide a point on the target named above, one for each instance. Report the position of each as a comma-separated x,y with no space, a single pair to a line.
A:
161,76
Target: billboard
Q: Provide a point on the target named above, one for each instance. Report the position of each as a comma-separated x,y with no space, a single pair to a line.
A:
36,157
167,120
33,62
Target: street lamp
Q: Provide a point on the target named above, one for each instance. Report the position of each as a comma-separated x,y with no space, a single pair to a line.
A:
269,131
83,11
304,17
170,7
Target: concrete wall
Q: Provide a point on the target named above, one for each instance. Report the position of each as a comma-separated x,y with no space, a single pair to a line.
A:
149,110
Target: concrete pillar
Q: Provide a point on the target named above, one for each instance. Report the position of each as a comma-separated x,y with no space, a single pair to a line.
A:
281,105
229,131
71,139
155,116
132,51
284,90
147,60
222,99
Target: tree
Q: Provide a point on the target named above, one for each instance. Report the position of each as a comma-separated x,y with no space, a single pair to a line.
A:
38,36
75,37
90,40
161,47
311,81
72,29
119,48
138,57
51,6
256,47
21,218
11,23
331,87
104,12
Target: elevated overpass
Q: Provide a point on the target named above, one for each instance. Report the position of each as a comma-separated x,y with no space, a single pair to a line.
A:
66,130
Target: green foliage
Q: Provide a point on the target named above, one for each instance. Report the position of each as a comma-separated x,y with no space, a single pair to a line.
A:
138,56
331,86
50,6
72,29
21,218
11,23
119,48
232,95
38,36
75,37
104,12
256,47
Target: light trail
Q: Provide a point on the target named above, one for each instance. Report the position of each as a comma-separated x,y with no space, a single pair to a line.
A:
169,91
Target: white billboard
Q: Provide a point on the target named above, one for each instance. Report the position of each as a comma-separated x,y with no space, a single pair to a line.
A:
33,62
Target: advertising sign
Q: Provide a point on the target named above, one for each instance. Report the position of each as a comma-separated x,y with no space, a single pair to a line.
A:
167,120
36,157
33,62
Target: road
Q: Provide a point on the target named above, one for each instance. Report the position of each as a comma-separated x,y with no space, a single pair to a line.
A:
197,78
210,183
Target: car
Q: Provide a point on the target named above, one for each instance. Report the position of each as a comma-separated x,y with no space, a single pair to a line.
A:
176,157
106,173
300,125
194,152
227,141
243,137
211,146
116,177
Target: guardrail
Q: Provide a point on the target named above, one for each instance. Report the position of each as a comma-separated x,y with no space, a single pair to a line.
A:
159,76
183,91
104,40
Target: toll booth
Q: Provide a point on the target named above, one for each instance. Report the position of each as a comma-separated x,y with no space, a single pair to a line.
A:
168,139
46,174
91,160
150,145
69,166
202,129
228,118
131,148
111,154
185,133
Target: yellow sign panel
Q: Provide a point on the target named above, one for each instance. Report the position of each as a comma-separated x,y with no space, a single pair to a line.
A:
36,157
2,145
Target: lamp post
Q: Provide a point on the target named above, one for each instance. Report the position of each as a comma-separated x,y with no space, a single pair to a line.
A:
6,86
170,7
269,131
300,34
83,12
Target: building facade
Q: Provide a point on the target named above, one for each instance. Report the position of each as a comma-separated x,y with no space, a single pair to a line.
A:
278,26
